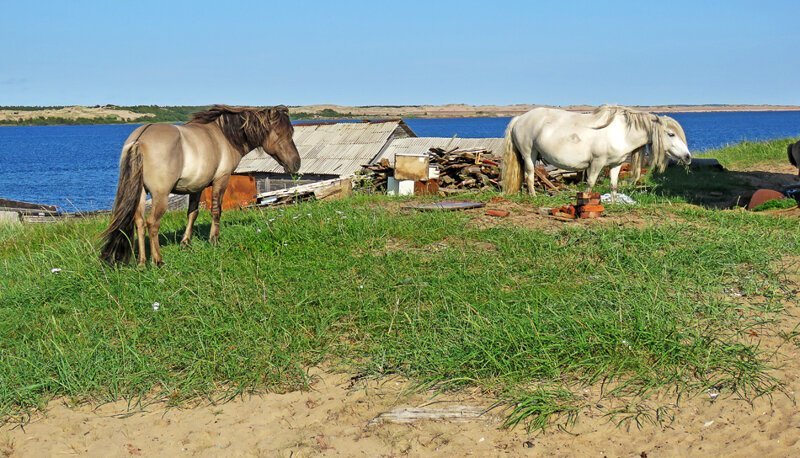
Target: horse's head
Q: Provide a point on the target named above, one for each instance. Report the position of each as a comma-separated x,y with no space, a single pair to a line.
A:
673,140
279,143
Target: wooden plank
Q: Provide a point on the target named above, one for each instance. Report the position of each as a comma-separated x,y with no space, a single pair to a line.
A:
337,187
406,415
7,204
340,190
542,175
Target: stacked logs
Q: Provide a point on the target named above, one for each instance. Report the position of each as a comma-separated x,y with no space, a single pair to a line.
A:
466,169
461,170
374,176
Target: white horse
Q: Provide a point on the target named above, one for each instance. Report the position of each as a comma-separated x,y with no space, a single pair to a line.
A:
575,141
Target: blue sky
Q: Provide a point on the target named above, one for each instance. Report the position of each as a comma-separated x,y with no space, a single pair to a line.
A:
413,52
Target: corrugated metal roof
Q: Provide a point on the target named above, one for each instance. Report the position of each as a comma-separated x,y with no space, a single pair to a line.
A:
329,149
421,145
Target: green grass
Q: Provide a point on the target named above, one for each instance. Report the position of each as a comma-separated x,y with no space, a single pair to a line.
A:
529,315
778,204
539,313
751,154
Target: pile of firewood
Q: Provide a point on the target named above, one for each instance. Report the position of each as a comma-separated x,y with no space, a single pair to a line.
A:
466,169
374,176
460,170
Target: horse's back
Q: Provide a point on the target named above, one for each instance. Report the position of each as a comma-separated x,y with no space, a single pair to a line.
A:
561,138
186,158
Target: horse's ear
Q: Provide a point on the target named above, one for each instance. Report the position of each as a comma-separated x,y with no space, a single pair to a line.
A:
275,113
657,119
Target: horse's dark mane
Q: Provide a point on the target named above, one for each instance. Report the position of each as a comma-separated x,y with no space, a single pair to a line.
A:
245,128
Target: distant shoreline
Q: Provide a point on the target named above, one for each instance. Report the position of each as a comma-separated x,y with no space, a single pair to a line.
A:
112,114
473,111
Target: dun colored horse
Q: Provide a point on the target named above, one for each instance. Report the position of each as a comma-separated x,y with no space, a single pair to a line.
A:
163,159
575,141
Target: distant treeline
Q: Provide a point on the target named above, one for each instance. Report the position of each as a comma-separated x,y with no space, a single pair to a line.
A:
54,120
170,114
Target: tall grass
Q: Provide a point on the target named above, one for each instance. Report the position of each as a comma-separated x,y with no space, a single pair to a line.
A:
751,154
526,314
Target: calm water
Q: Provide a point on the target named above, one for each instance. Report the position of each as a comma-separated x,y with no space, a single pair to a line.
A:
75,167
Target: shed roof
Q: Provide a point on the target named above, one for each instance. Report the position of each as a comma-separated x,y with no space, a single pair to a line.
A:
331,148
421,145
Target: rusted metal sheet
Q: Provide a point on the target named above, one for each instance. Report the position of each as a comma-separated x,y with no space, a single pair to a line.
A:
764,195
426,188
241,192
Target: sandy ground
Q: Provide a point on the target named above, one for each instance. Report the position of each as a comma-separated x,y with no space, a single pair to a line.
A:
337,417
75,112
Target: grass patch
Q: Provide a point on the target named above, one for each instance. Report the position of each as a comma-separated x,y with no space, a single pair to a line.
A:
751,154
295,287
777,204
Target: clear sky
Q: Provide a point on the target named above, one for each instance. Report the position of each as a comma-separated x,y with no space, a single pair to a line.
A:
400,52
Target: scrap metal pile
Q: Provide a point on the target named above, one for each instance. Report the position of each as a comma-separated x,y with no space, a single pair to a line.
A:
460,170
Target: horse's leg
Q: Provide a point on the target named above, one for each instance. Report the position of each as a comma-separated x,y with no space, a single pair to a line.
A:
139,220
614,174
593,173
530,170
160,203
217,192
194,204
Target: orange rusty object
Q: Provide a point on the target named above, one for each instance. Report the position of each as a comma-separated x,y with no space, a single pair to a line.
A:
764,195
592,208
241,192
498,213
587,195
626,170
567,212
426,188
589,205
588,215
591,201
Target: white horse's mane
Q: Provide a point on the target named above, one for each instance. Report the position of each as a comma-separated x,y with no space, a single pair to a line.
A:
655,126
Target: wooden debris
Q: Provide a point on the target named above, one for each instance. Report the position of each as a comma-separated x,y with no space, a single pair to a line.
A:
328,189
415,414
27,208
461,170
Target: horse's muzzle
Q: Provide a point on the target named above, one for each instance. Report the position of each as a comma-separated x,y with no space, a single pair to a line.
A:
292,166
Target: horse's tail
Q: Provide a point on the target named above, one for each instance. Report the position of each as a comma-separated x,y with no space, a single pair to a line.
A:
118,238
511,172
792,159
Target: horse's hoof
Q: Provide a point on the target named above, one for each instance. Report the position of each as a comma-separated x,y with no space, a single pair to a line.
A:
185,243
213,241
